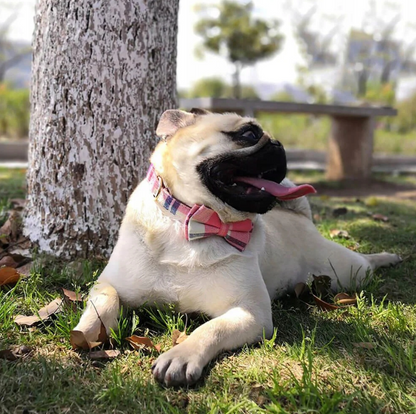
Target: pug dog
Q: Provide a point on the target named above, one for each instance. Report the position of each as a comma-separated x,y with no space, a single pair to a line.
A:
216,228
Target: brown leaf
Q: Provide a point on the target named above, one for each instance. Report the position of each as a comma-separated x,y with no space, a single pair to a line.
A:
325,306
11,228
142,342
14,260
380,217
321,285
339,233
178,337
44,313
23,350
336,212
345,299
8,276
365,345
104,354
25,269
24,243
78,341
8,261
72,296
300,289
8,355
18,203
102,336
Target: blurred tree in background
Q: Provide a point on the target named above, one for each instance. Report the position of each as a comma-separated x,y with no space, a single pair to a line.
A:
234,32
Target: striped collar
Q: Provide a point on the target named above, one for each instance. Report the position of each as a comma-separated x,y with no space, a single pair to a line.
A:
199,221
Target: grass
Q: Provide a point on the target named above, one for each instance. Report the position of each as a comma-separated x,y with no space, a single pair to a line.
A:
362,360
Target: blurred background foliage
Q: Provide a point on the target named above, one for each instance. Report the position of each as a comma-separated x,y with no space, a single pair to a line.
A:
372,60
14,111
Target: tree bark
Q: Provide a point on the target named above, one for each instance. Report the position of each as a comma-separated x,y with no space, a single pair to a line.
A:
236,80
103,72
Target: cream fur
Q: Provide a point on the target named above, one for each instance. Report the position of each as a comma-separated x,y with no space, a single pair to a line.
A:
153,263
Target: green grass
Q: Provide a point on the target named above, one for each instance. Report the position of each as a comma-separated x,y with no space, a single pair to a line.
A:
312,365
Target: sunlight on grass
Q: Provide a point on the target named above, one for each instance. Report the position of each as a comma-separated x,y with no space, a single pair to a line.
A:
356,360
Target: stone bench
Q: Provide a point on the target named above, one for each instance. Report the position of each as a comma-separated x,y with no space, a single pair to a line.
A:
350,147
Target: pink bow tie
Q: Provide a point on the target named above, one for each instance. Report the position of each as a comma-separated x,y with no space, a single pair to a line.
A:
200,221
203,222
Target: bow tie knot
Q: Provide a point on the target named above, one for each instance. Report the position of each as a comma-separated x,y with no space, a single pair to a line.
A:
203,222
223,230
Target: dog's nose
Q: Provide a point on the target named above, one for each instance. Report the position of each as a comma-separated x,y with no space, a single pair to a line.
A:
276,142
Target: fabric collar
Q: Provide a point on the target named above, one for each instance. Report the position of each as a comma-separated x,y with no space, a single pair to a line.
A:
199,221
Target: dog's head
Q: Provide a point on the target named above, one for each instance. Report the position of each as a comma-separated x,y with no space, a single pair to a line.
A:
224,161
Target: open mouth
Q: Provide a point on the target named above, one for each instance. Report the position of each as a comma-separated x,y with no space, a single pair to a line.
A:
251,183
281,192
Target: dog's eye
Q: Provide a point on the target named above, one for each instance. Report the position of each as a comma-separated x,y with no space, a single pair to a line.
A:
250,135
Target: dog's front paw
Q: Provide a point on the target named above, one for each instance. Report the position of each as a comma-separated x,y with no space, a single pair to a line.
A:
178,366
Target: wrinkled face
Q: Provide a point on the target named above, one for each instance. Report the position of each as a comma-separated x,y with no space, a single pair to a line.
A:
257,157
219,160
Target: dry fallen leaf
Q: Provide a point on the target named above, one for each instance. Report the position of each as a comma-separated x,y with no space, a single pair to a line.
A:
78,341
14,260
18,203
365,345
321,285
8,261
178,337
339,233
380,217
25,270
15,352
8,276
141,342
325,306
104,354
345,299
8,355
340,211
54,307
12,227
300,289
72,296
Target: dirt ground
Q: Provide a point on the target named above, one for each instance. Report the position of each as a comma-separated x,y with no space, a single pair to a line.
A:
376,188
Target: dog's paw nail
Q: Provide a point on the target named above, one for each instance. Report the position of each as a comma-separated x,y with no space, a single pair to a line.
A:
190,379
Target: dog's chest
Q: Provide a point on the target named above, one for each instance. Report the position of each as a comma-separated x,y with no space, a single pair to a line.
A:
163,267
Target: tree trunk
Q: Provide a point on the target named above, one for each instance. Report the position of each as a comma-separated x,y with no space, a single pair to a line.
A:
103,72
236,80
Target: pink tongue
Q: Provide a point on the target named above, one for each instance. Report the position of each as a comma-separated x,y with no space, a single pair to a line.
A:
278,190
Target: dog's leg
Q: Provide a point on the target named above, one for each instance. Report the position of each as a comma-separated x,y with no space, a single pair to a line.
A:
102,307
183,364
382,259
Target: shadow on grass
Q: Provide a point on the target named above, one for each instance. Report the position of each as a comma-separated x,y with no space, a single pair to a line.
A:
336,337
51,385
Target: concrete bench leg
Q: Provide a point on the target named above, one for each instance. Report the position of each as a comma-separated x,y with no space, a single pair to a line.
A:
350,150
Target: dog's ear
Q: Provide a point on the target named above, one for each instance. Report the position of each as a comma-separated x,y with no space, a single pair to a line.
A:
199,111
172,120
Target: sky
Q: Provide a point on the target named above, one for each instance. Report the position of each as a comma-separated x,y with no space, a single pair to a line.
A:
282,68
